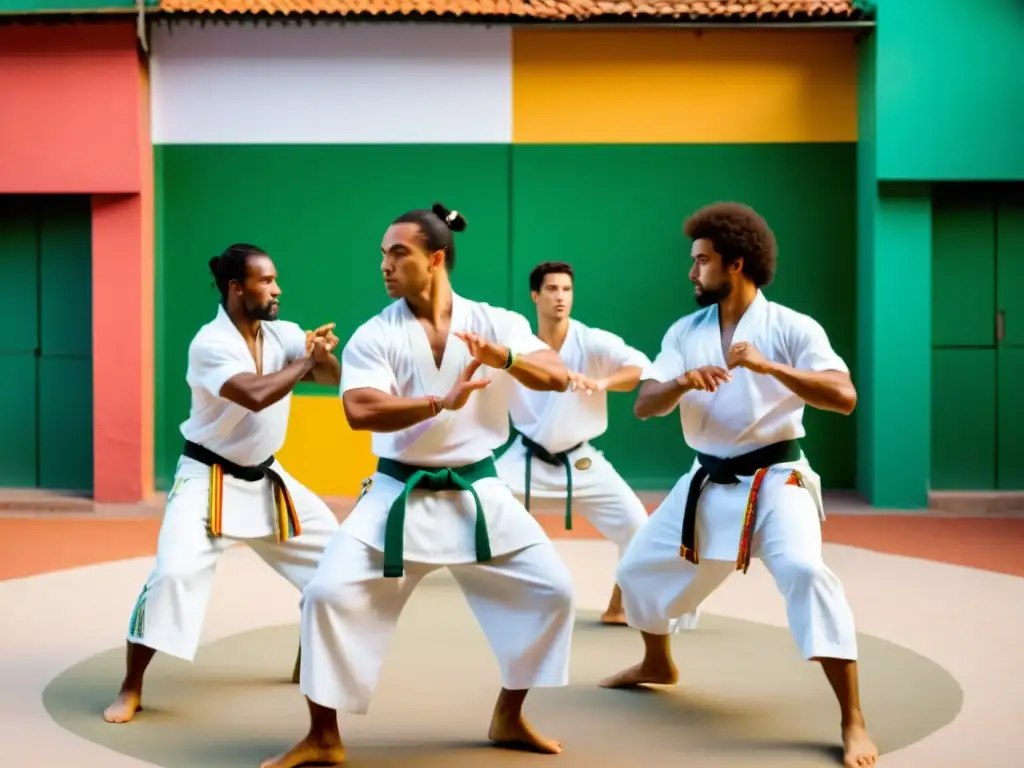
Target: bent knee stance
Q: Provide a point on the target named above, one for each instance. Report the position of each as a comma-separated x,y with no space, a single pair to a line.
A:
820,617
169,611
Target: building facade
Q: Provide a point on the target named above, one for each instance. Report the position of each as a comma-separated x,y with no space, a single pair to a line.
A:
146,142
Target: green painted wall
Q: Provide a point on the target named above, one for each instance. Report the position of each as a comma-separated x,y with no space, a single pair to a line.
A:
16,7
951,102
939,101
46,350
615,212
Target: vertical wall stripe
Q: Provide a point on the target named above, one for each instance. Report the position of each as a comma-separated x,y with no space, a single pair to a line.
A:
361,83
122,271
118,342
147,192
683,86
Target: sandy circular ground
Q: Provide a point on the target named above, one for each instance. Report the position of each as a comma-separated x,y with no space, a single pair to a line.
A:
746,699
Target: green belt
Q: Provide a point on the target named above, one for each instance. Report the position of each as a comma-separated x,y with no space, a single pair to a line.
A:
560,459
431,479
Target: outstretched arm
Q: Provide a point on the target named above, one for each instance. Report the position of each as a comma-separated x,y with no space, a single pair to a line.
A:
370,410
258,392
542,370
658,398
325,371
818,375
226,372
825,390
534,364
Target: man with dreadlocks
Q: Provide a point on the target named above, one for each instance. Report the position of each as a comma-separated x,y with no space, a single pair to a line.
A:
430,377
741,370
242,368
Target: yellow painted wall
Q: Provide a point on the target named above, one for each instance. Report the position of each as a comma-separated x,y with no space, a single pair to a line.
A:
683,86
321,451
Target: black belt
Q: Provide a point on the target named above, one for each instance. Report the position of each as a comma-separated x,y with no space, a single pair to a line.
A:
714,469
560,459
287,523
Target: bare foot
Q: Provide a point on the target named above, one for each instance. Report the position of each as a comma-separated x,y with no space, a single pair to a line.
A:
643,674
124,709
858,749
616,618
515,733
309,751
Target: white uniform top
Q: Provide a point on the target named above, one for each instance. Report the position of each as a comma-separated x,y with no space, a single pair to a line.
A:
217,353
391,353
560,420
752,410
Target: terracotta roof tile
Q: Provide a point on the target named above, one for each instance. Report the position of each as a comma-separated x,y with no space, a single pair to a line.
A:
528,9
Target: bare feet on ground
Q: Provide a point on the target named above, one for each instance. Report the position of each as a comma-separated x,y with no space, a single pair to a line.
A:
858,749
515,733
309,751
617,618
124,709
643,674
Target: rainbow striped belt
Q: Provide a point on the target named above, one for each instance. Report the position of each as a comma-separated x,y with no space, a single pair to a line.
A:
286,521
713,469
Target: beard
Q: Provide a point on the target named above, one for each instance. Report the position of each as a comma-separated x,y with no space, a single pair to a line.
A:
712,294
267,311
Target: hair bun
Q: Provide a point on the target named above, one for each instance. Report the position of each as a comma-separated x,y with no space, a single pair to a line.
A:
214,263
454,220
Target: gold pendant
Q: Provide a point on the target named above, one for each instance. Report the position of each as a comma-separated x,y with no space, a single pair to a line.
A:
365,486
583,464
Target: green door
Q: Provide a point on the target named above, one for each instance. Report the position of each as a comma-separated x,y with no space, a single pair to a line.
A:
978,338
1010,341
19,276
46,356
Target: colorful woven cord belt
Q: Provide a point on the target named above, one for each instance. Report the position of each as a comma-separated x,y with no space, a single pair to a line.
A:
724,472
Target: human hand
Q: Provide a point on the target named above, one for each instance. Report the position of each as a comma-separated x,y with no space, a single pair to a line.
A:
746,355
464,387
321,343
486,352
707,378
580,383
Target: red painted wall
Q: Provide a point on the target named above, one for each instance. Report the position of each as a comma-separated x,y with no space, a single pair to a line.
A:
70,103
74,119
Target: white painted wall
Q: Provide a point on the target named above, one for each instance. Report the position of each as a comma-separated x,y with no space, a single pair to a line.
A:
331,84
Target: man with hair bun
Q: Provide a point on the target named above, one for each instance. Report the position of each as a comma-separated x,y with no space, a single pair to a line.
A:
741,370
430,377
228,487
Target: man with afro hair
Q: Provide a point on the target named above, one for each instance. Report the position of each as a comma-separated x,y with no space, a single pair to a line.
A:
741,369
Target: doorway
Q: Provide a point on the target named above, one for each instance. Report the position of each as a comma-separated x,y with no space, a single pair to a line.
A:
978,337
46,351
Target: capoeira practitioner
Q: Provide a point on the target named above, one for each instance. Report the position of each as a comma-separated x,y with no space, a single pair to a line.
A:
741,371
430,376
551,457
242,368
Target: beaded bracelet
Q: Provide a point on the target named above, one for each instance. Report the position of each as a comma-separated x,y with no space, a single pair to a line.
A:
435,405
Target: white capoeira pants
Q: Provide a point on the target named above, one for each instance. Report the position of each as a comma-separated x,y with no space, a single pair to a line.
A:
168,615
598,493
659,585
523,601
